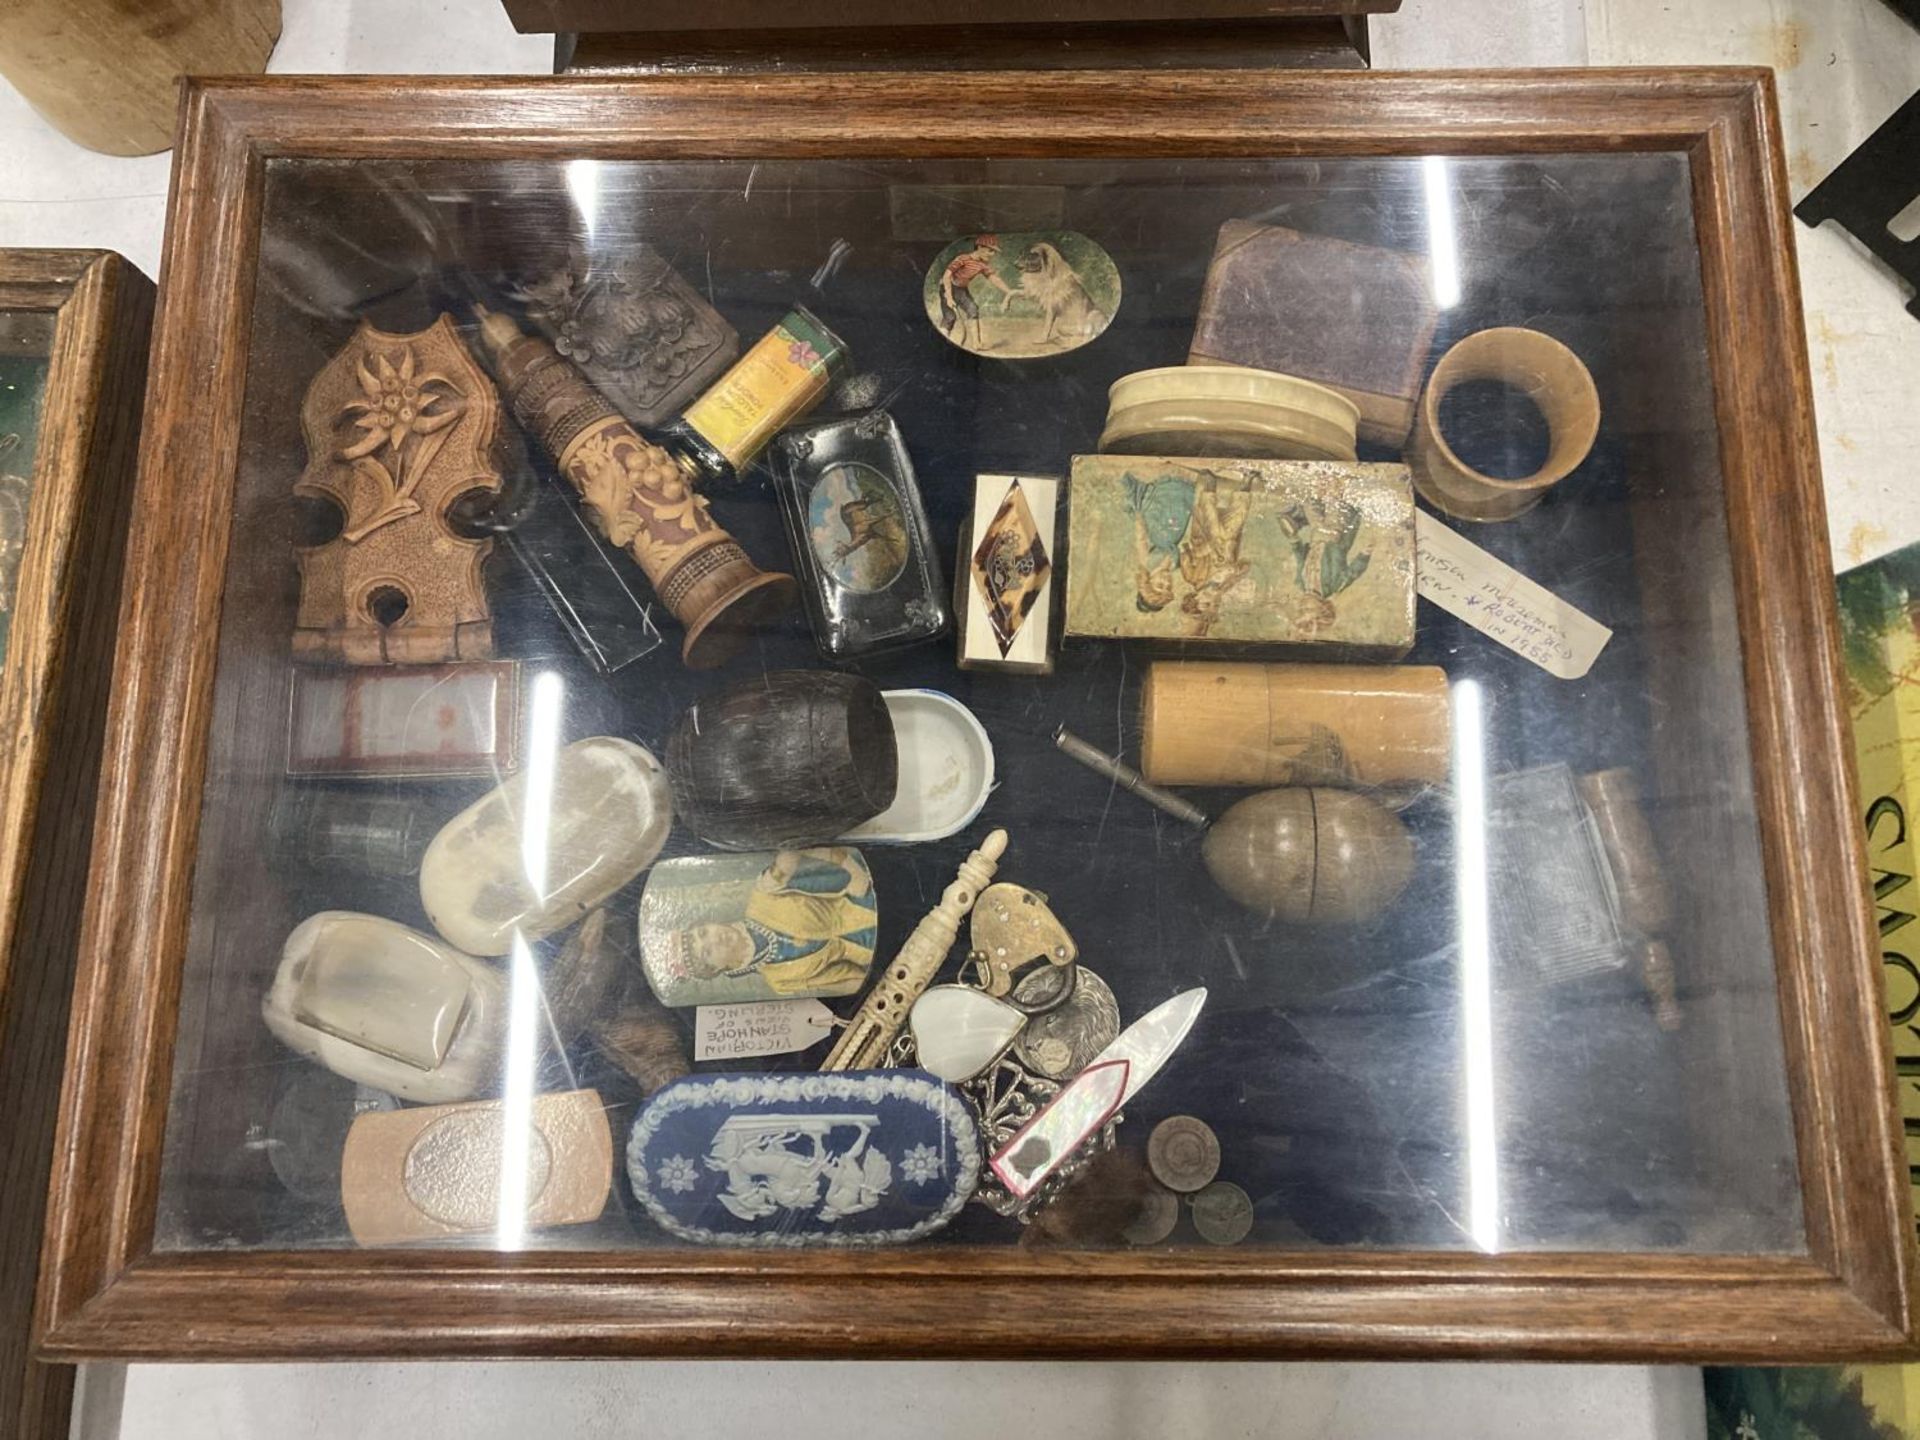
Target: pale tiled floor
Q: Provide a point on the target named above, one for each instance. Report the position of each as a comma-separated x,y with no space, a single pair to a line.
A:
1866,354
714,1400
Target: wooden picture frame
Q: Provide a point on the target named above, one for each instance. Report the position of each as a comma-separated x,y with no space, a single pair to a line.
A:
53,692
109,1292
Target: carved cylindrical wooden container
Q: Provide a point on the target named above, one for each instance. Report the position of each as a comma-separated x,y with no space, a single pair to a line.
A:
638,496
1242,723
786,758
1308,854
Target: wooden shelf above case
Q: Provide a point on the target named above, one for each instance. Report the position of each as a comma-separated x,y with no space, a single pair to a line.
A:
1297,43
584,16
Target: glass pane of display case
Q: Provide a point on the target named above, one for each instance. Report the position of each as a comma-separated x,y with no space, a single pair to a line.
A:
655,586
26,343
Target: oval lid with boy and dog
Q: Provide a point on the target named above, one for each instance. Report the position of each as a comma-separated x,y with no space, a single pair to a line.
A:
1022,296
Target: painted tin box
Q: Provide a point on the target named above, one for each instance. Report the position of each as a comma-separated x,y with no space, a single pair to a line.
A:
869,575
774,925
1309,556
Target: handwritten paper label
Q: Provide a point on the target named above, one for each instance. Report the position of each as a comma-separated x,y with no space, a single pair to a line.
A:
1500,602
759,1027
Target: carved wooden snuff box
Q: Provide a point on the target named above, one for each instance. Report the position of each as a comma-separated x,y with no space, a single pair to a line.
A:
645,337
1309,556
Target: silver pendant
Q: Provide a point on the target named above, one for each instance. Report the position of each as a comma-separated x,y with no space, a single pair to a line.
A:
1005,1098
1064,1039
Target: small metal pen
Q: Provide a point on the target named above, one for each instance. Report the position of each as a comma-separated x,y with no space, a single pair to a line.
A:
1128,778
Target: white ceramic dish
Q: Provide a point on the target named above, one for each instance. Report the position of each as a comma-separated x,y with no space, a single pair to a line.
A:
946,770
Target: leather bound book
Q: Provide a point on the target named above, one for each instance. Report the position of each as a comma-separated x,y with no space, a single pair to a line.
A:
1355,318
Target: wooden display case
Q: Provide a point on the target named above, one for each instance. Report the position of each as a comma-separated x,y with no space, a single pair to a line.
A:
1441,1160
73,361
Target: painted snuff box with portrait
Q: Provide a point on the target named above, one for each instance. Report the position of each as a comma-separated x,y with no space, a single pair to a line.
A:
772,925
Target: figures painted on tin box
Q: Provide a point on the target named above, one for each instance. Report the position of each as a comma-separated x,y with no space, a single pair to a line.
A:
1312,554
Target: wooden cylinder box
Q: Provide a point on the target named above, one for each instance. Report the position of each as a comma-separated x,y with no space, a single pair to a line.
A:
1244,723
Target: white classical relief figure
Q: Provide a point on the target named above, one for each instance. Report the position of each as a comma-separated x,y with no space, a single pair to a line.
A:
855,1184
783,1162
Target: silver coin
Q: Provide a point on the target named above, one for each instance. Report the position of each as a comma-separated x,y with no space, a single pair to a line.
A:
1046,988
1222,1213
1183,1153
1159,1213
1065,1040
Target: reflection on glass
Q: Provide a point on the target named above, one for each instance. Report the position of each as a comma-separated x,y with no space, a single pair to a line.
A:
583,181
516,1090
523,980
26,339
1421,886
1443,243
1476,963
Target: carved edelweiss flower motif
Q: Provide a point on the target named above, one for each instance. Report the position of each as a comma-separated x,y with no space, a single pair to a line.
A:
399,403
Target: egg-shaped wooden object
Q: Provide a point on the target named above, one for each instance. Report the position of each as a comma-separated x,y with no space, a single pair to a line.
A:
1310,854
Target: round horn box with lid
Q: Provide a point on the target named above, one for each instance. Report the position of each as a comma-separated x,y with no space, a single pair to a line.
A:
1229,411
788,758
1540,368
